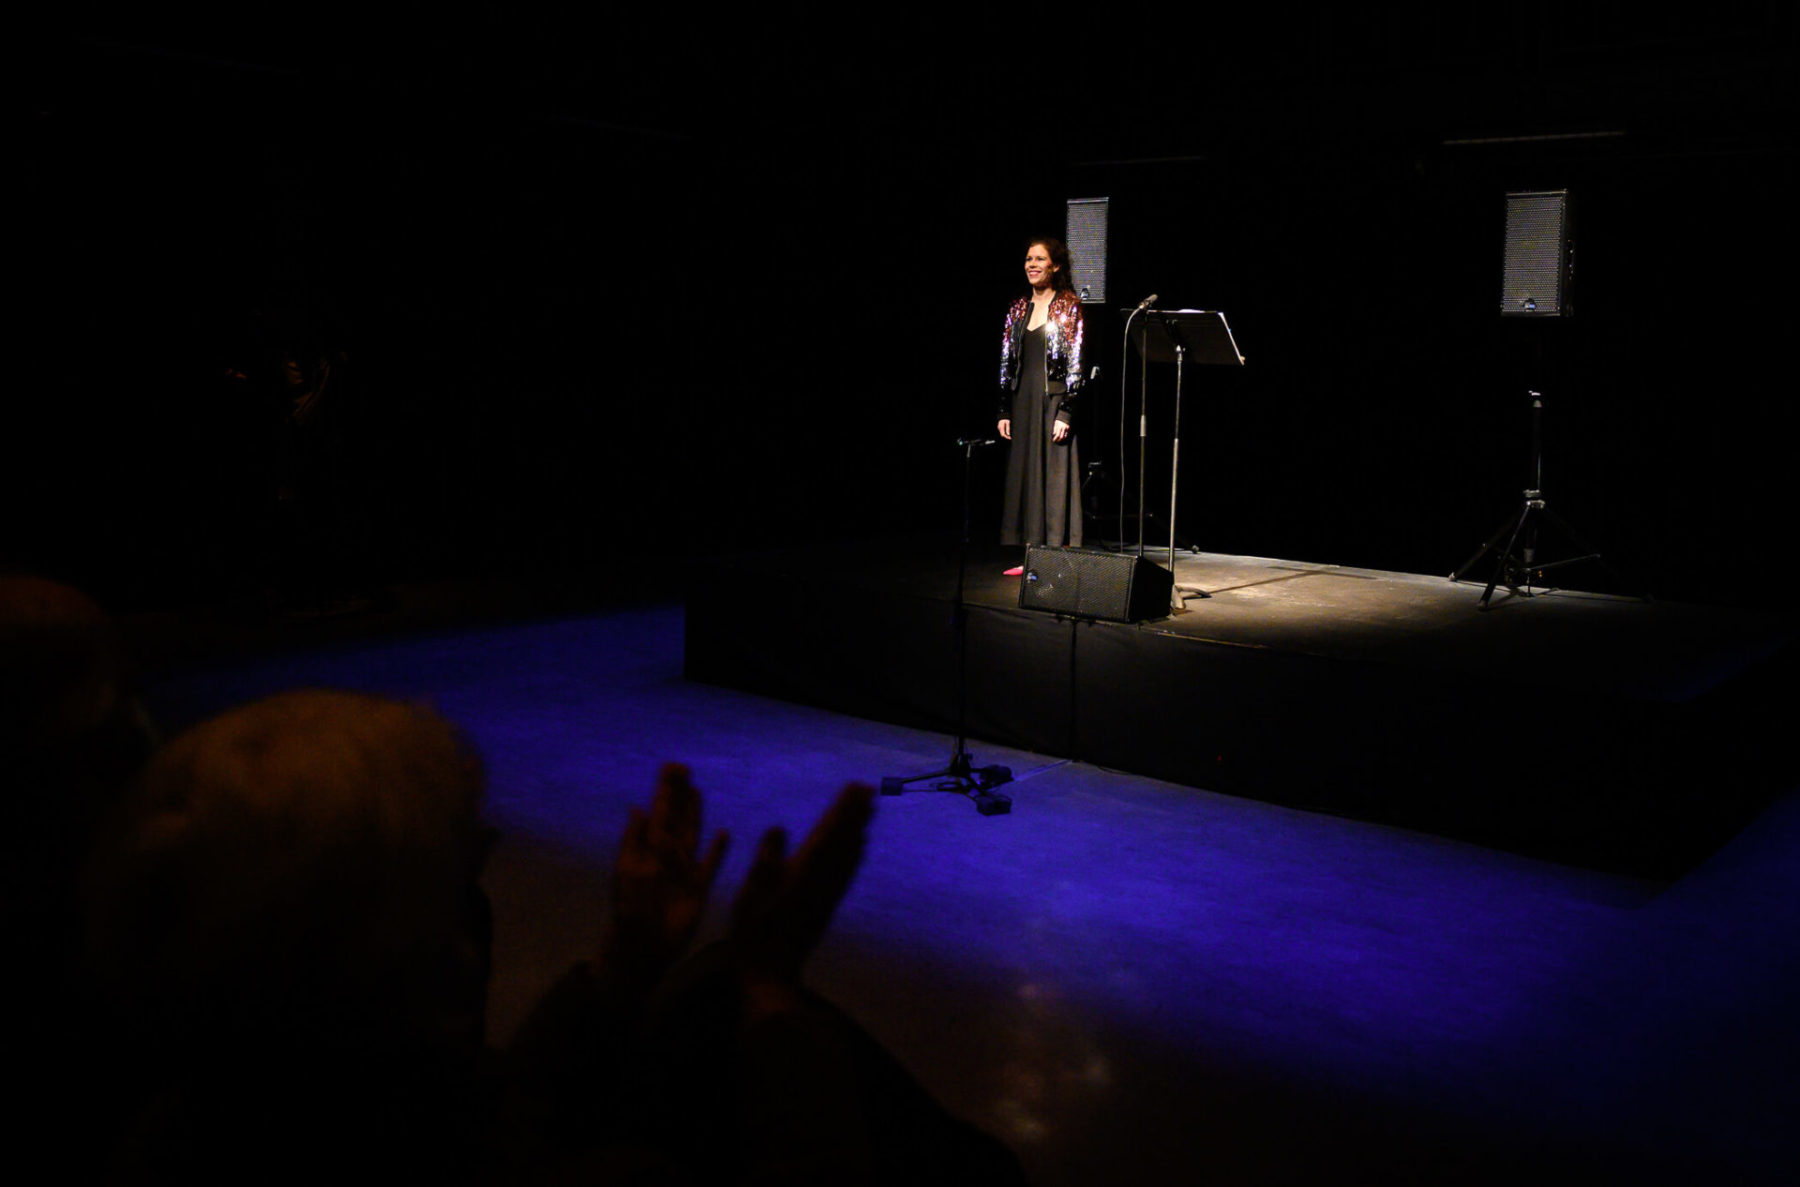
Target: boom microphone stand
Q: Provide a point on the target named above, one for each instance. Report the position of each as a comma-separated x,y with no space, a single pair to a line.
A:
962,775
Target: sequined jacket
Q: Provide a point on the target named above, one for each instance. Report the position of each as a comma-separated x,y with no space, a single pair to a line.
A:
1062,352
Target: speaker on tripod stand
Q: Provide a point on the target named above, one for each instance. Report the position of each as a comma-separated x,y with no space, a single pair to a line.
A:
1538,282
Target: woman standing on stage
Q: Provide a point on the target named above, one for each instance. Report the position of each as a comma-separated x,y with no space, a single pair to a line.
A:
1040,374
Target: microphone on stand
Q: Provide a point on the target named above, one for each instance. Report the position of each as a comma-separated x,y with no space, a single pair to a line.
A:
1145,303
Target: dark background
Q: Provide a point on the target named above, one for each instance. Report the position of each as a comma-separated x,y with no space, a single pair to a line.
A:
604,296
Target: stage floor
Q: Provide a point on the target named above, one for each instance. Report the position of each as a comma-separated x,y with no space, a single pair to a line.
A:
1583,727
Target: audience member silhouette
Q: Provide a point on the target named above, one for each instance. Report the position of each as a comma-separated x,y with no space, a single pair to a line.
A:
71,734
287,925
71,729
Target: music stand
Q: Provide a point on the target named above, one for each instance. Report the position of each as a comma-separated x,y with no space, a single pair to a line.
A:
1176,336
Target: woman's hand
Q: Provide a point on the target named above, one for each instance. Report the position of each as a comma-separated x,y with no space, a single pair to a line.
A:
1006,429
1060,432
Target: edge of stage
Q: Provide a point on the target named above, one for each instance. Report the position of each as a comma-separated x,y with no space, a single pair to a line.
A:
1609,732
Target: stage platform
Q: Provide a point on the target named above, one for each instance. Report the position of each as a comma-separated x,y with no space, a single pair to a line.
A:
1615,733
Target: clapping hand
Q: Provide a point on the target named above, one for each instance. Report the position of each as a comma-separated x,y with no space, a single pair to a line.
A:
786,902
660,882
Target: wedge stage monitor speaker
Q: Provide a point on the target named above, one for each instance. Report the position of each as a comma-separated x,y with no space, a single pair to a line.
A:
1087,584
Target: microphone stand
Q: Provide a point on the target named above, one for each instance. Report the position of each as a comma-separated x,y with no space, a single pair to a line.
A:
1143,426
961,775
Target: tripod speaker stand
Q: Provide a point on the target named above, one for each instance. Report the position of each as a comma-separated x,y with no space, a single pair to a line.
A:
1517,565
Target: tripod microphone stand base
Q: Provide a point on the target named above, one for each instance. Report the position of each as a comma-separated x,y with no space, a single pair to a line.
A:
963,777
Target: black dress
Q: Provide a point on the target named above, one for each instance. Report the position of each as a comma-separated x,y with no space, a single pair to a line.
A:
1043,476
